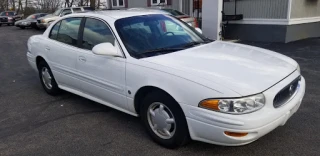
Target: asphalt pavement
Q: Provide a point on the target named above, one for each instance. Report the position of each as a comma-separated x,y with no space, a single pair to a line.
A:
35,123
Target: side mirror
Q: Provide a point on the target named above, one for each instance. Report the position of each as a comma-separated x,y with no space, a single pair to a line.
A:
106,49
199,30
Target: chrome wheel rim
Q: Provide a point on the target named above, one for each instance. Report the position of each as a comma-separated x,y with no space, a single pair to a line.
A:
46,78
161,120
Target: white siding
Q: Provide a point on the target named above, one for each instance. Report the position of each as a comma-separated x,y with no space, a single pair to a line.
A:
269,9
305,8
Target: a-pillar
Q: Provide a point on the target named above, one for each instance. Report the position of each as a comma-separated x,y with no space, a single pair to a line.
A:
212,18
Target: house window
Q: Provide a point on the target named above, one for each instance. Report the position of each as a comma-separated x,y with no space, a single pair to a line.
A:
117,3
158,2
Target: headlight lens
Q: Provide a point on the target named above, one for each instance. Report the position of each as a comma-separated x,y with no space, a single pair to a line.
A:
235,106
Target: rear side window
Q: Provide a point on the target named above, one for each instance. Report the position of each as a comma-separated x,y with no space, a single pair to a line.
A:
69,30
54,31
96,32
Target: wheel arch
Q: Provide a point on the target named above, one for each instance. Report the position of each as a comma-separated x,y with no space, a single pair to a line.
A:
38,60
143,92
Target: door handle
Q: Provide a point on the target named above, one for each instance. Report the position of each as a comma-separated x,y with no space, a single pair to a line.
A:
47,49
82,59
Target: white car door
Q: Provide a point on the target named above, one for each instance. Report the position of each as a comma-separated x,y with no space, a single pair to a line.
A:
103,77
61,50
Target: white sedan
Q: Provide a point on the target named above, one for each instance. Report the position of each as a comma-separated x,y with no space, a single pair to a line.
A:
180,83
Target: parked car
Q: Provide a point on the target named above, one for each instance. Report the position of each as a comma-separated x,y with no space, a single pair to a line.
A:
9,17
30,21
45,21
180,83
182,16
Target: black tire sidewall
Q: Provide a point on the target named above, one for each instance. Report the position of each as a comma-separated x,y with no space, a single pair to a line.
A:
55,89
181,135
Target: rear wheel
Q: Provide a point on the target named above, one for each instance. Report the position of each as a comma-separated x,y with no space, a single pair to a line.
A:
47,80
164,120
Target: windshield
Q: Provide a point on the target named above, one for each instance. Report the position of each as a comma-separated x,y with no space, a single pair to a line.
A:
31,17
173,12
7,14
57,13
149,33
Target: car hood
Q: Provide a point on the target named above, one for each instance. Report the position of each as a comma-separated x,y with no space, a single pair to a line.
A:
26,20
244,69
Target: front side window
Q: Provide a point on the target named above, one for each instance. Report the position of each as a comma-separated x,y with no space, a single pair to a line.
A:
153,33
69,30
96,32
157,2
54,31
118,3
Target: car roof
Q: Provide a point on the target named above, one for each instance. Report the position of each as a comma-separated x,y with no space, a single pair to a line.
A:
118,14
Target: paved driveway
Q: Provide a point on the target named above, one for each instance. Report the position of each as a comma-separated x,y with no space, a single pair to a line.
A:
34,123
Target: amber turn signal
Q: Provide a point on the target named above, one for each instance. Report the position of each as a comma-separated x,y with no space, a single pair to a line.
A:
235,134
210,104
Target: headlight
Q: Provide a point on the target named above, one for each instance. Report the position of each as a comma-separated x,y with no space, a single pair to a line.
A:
298,69
235,106
43,21
9,18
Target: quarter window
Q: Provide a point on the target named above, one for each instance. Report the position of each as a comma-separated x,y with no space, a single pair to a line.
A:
118,3
54,31
69,30
96,32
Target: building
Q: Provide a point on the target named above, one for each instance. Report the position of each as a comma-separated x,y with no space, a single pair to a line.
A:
274,20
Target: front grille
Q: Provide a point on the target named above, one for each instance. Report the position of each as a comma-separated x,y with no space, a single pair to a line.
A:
4,19
286,93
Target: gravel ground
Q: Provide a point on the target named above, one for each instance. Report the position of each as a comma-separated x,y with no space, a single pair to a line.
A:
34,123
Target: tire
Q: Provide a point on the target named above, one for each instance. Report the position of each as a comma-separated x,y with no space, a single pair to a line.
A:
178,129
22,27
52,88
0,25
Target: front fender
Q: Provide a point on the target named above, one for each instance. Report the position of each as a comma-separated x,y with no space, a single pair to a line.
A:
183,90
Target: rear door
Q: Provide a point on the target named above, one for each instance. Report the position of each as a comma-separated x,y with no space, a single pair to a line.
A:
61,49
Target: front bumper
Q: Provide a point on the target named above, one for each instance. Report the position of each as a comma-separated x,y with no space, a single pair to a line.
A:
9,22
32,61
209,126
42,25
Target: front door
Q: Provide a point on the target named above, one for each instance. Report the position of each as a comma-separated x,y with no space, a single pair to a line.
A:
102,77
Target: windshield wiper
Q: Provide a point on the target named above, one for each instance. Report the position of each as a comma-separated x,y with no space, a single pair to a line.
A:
191,44
160,51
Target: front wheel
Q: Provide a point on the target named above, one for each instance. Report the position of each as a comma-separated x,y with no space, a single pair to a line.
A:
47,80
22,27
164,120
